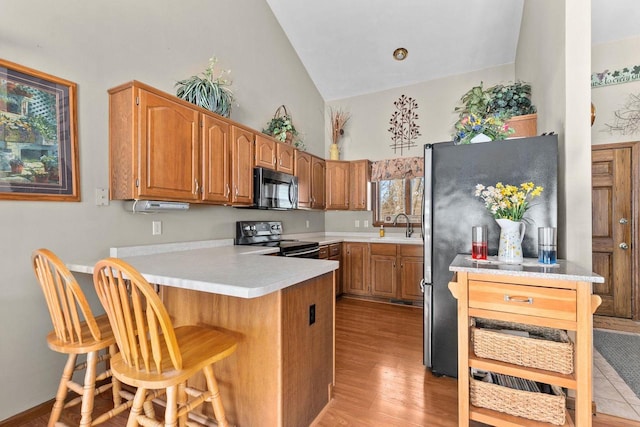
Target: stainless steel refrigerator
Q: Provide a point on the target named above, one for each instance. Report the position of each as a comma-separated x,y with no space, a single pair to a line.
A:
451,209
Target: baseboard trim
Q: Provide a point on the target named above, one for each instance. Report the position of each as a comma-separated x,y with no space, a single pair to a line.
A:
24,418
616,324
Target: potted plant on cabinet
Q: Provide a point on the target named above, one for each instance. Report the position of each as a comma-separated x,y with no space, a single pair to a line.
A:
209,90
514,101
281,128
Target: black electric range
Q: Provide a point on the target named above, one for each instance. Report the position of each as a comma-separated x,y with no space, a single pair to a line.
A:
269,233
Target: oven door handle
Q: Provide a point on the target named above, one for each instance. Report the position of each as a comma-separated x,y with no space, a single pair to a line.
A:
298,253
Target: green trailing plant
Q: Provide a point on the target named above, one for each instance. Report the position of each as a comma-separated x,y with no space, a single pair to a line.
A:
281,128
510,100
208,90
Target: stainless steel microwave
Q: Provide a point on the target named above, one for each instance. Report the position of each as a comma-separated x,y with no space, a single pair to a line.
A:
274,190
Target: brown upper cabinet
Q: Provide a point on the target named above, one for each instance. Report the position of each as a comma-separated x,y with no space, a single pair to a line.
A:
310,171
164,148
338,184
274,155
360,176
347,184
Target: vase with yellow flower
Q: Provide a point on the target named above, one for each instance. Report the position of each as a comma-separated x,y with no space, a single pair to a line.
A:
508,204
339,119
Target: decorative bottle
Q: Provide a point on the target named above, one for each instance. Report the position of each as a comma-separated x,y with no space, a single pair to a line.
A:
382,231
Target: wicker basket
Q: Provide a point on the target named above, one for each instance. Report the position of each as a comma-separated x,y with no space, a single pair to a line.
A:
534,406
552,352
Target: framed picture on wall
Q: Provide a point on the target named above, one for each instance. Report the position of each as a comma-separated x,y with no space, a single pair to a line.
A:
38,136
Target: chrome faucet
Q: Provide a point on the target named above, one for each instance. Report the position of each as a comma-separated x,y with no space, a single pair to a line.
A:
409,231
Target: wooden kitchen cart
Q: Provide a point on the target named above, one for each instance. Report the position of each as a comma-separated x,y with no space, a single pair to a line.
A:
557,297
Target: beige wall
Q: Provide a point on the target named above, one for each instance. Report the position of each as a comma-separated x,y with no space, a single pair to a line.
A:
609,99
98,45
366,135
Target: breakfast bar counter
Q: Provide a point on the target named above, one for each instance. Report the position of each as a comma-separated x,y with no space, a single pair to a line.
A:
281,311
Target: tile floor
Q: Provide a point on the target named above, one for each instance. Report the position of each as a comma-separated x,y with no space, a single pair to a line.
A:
611,394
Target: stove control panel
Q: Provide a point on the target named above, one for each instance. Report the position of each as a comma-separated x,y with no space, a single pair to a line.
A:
248,232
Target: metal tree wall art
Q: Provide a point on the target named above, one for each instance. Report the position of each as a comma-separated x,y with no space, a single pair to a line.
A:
627,119
404,129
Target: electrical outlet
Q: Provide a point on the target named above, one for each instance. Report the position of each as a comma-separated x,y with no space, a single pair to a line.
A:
357,223
312,314
307,223
102,197
156,227
366,223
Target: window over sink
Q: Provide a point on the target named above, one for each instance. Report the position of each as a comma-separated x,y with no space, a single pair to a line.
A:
398,187
394,196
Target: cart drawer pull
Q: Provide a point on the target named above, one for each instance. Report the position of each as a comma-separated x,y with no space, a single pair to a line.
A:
527,300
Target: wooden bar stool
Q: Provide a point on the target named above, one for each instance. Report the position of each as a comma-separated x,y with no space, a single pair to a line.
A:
76,331
153,354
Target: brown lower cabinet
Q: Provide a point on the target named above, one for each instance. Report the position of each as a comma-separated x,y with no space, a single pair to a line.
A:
333,252
383,271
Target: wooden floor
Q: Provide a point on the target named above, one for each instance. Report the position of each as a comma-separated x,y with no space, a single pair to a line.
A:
380,379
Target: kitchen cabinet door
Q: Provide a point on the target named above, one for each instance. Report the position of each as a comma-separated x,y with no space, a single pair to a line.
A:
411,272
338,184
216,160
411,266
335,254
265,152
383,276
242,141
303,172
285,158
318,191
169,149
356,268
360,175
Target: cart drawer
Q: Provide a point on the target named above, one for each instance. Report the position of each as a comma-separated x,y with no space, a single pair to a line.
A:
520,299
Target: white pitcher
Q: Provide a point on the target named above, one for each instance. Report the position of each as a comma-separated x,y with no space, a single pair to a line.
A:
511,235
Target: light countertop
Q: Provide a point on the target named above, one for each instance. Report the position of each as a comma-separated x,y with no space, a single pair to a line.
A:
563,270
217,266
239,271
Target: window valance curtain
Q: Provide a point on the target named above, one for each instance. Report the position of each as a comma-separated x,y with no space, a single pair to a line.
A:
398,168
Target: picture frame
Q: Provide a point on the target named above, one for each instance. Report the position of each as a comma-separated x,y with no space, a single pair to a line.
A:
38,136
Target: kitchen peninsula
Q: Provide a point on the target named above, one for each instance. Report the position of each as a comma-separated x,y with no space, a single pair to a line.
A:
280,309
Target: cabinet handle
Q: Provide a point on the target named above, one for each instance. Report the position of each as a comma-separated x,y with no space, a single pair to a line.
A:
274,160
527,300
237,191
197,186
228,191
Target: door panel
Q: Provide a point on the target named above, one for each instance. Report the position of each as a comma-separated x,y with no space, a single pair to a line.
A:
611,229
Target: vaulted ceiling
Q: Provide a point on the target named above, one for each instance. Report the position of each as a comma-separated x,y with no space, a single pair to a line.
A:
347,46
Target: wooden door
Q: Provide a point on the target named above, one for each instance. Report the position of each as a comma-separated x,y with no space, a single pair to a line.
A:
169,149
612,229
241,166
303,172
216,160
356,268
359,175
318,189
285,157
265,153
338,184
